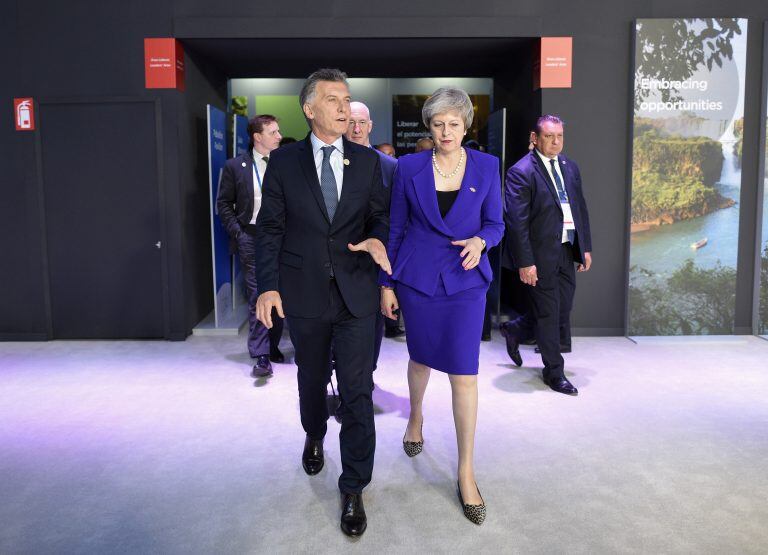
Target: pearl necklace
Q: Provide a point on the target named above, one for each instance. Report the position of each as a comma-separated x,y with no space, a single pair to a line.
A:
454,172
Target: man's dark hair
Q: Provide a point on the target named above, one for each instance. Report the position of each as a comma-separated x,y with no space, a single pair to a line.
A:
547,118
310,85
256,125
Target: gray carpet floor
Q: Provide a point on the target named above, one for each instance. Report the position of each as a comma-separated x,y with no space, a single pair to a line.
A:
159,447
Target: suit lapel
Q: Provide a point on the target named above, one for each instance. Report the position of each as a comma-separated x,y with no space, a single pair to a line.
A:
565,169
544,173
424,184
249,174
307,163
469,181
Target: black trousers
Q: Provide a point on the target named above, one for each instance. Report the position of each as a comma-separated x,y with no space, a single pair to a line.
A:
260,339
353,342
549,313
382,323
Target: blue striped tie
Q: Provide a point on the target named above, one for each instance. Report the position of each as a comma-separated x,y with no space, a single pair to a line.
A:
328,183
562,195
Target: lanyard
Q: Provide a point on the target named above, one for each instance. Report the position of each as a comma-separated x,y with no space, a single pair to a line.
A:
256,173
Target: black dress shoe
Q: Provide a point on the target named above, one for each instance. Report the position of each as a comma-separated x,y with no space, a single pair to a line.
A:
262,368
353,519
561,385
393,332
312,459
563,349
513,346
276,356
486,336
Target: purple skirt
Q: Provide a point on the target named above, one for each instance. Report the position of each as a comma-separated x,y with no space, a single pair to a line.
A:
443,331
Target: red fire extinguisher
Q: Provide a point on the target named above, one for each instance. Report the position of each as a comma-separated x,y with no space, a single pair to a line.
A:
24,115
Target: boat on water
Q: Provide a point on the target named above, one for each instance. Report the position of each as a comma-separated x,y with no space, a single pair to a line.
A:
698,244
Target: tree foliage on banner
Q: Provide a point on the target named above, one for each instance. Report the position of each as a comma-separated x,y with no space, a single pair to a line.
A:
763,309
673,50
673,177
691,300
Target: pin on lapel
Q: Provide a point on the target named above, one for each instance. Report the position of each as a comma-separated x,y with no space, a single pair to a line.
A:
243,164
473,189
346,162
562,162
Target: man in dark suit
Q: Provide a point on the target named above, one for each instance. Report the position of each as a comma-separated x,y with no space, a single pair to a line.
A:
320,241
238,204
547,231
359,130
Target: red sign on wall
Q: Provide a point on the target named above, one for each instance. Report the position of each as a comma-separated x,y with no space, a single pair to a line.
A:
554,65
24,114
163,64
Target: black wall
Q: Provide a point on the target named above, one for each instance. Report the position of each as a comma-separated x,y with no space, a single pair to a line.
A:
94,49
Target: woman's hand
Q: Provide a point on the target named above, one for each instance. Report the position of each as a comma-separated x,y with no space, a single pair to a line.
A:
389,303
473,250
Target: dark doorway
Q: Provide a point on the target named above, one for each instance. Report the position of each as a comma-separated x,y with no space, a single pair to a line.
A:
508,61
102,219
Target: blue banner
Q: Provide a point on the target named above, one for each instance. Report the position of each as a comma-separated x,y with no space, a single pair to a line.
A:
240,133
217,156
240,142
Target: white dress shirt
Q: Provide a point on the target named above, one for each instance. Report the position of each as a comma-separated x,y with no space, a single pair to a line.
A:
337,159
567,214
259,169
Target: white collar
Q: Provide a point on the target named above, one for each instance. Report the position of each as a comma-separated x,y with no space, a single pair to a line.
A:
258,156
317,144
545,159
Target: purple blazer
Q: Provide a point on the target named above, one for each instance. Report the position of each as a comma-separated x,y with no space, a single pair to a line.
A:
419,245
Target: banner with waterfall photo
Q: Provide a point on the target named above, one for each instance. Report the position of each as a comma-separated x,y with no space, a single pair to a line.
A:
762,307
686,175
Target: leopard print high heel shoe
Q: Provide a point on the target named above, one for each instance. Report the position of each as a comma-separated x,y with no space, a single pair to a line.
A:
413,448
474,513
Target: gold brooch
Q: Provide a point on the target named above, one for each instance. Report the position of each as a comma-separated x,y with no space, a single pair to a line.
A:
346,162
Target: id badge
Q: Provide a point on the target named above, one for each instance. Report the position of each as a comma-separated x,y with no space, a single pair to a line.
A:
567,216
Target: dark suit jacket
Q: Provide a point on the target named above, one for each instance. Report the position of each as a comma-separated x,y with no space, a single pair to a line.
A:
420,247
388,167
534,218
235,199
297,246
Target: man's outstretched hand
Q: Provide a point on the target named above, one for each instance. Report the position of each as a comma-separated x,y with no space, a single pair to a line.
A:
376,249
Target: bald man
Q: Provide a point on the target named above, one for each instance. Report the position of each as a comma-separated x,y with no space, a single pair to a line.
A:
387,149
359,131
425,143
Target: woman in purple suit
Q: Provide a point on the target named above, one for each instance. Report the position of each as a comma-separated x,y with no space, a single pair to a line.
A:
445,214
